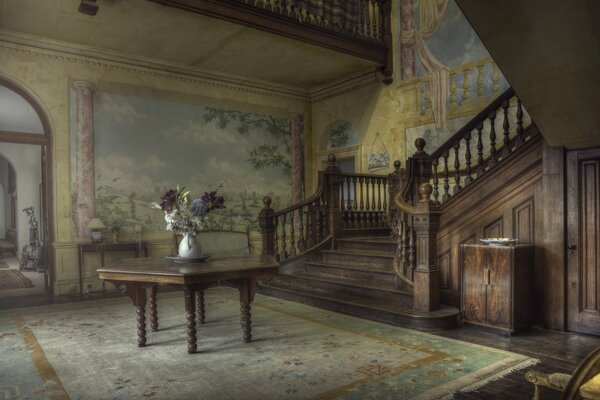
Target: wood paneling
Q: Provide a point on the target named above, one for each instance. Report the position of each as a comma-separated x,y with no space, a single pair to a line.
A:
503,202
494,230
523,226
444,266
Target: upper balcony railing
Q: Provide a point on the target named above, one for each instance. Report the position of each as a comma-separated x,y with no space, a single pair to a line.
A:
361,28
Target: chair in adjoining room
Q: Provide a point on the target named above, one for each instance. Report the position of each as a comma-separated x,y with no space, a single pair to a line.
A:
583,383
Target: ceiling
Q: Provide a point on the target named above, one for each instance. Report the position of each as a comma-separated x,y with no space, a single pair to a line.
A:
146,29
549,51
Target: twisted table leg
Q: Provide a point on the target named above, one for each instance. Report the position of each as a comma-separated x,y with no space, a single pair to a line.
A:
151,292
191,319
245,321
201,309
141,324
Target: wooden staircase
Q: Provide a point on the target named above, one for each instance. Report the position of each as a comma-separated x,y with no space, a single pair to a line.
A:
358,279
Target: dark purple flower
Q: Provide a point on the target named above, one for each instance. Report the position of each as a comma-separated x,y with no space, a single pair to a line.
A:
168,200
213,201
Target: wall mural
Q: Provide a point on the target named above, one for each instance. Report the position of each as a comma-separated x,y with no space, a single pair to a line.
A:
339,134
143,146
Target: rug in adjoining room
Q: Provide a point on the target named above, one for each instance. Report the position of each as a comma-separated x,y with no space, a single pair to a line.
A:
13,279
89,350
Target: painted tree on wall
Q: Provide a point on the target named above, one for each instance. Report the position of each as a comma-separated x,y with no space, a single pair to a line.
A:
286,154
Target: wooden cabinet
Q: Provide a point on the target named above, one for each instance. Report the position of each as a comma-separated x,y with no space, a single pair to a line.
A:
497,286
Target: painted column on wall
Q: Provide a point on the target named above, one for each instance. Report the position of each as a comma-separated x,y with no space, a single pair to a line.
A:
297,129
84,158
407,50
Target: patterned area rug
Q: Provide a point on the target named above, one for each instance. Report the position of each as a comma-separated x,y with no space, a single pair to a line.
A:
89,351
13,279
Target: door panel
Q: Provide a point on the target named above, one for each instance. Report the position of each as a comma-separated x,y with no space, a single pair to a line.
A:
583,227
474,288
498,300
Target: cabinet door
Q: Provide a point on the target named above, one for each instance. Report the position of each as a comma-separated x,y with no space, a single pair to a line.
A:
473,284
499,288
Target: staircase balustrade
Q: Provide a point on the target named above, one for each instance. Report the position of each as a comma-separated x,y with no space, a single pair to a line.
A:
431,180
342,203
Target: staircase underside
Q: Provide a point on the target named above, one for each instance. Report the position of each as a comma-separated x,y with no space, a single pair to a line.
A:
358,279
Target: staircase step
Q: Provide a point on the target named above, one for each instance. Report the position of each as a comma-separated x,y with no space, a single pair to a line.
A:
371,273
361,257
344,287
444,318
383,244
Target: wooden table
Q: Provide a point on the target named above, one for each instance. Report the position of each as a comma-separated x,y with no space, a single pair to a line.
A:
102,248
141,276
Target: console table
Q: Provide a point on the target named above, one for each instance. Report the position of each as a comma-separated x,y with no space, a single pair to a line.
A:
138,248
141,276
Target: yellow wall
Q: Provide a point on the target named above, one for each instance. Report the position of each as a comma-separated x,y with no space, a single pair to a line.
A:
47,75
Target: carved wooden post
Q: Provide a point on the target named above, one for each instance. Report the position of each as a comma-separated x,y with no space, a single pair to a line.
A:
421,169
267,227
333,182
426,283
396,181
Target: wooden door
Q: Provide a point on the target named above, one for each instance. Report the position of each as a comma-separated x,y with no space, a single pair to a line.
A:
583,241
473,285
499,286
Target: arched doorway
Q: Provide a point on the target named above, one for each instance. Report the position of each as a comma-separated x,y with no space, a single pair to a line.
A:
26,218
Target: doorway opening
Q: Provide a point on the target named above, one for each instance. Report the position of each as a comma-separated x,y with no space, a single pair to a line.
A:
25,197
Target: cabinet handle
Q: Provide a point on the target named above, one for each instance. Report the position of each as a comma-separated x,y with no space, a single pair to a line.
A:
486,276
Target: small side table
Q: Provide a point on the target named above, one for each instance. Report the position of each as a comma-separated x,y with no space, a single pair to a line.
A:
138,248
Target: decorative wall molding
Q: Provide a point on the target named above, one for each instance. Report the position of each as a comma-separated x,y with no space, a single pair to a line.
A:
345,85
40,47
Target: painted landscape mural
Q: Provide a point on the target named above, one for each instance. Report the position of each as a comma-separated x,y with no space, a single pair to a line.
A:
144,146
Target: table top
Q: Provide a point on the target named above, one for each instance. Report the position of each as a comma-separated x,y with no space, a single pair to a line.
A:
162,270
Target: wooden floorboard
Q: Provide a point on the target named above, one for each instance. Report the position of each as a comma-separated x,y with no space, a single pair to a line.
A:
557,351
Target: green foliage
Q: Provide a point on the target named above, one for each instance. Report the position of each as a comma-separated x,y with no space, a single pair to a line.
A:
340,135
265,155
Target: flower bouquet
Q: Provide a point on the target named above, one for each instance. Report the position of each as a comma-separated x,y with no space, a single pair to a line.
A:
188,218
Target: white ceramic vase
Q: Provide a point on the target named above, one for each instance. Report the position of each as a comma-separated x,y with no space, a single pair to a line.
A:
189,247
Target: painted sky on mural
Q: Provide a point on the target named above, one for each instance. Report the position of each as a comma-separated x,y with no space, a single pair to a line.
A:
144,146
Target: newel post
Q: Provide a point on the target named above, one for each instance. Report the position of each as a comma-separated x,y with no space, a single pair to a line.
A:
426,276
267,227
420,168
397,180
333,183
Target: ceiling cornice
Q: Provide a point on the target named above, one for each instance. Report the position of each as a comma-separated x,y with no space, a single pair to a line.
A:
43,47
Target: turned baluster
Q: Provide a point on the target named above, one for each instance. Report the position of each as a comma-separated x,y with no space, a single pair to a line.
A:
362,205
310,225
505,127
411,250
480,81
447,194
493,157
427,96
436,193
520,138
495,78
468,178
349,201
385,195
457,186
453,89
301,238
466,87
367,213
373,205
403,240
323,230
292,235
356,215
276,238
284,252
480,168
373,19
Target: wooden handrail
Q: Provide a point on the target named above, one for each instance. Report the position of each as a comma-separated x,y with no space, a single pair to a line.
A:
318,193
472,124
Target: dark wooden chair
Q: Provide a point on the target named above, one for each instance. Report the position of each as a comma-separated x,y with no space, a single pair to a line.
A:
569,385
